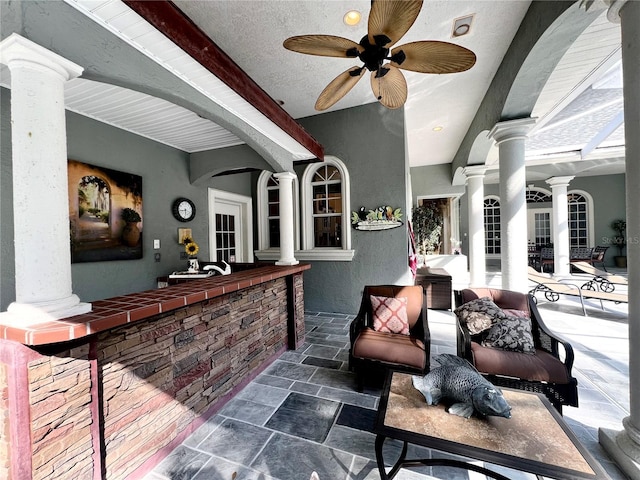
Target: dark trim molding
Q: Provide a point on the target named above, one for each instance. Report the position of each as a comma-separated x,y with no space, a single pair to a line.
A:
177,27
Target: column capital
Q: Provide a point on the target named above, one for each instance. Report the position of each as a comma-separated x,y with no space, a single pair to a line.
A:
15,49
512,129
559,181
285,176
613,10
474,171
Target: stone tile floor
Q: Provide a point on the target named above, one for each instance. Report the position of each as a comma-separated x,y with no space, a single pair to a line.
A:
303,412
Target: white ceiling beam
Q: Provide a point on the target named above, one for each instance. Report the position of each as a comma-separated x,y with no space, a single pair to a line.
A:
603,134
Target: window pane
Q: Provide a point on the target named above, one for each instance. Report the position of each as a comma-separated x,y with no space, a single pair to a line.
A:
334,188
274,233
332,173
327,231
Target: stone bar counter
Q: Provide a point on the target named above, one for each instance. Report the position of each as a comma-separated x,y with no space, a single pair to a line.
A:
109,393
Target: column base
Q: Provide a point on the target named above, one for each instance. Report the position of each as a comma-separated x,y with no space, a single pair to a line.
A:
287,261
617,444
55,309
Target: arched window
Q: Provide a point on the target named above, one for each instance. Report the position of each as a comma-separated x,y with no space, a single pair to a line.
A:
580,219
534,195
269,213
326,230
492,225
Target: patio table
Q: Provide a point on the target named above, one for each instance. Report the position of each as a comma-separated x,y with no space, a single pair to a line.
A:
535,439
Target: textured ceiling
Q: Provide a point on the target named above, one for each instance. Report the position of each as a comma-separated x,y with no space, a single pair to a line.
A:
571,113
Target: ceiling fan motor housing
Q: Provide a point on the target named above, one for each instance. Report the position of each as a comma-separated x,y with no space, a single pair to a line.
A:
373,55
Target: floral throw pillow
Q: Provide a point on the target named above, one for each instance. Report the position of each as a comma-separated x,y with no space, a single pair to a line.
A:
479,314
390,314
511,333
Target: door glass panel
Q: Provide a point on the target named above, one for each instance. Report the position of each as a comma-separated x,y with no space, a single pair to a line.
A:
226,238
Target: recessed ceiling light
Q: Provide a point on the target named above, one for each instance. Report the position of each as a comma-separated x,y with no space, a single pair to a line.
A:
352,17
437,128
462,26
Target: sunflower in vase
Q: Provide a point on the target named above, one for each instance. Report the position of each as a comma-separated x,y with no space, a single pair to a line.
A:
192,249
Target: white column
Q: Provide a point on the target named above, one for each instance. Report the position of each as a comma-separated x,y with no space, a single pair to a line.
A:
287,242
624,446
510,137
40,190
475,206
560,224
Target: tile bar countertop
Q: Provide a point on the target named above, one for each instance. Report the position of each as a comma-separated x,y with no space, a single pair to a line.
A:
117,311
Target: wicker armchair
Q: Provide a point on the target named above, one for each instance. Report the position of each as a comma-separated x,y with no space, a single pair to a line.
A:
374,352
543,372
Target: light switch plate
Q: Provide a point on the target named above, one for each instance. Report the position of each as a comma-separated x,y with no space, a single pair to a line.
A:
156,244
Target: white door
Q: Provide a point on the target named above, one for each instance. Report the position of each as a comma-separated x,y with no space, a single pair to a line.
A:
540,226
230,232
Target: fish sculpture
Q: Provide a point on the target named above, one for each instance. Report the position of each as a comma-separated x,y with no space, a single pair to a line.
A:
457,380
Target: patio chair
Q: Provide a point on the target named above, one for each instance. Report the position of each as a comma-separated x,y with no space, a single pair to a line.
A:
543,371
546,257
598,255
601,280
378,350
580,254
533,252
553,288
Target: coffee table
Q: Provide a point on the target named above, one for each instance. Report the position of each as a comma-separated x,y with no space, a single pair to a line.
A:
535,439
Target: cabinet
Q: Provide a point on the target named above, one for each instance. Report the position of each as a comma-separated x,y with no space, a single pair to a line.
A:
438,289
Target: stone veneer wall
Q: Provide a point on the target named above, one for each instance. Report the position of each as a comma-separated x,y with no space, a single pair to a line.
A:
298,313
159,376
118,403
60,399
5,458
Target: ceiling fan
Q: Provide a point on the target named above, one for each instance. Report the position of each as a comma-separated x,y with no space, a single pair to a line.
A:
389,20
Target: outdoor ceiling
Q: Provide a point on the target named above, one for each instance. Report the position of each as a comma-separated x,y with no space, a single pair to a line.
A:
573,116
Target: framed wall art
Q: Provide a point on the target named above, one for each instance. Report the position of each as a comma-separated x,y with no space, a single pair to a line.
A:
105,213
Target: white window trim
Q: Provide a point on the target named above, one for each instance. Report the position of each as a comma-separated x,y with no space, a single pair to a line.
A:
246,212
492,255
264,251
308,251
590,215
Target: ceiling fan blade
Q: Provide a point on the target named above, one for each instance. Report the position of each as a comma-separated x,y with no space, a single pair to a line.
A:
389,86
391,19
339,87
323,45
433,57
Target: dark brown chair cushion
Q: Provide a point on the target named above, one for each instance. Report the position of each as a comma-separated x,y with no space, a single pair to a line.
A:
389,347
542,366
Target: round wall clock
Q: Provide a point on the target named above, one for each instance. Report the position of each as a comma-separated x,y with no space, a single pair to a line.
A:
183,209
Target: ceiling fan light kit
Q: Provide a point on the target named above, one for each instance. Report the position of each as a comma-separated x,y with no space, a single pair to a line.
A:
389,20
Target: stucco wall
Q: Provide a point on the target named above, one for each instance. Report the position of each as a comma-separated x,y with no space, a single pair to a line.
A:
7,259
370,141
433,180
165,176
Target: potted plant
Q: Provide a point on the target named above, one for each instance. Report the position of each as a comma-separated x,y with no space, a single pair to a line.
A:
130,232
620,227
427,225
